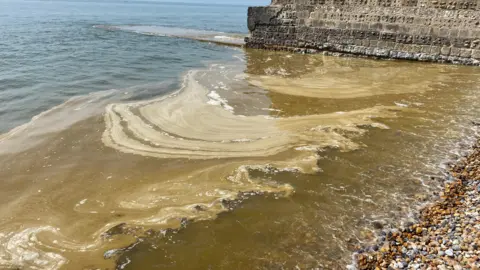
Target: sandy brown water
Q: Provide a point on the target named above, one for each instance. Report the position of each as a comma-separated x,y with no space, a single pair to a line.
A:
319,150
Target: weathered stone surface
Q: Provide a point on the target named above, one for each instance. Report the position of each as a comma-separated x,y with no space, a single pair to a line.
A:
425,30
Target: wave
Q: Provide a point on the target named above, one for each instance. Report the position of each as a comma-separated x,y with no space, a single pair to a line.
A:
73,110
54,120
199,35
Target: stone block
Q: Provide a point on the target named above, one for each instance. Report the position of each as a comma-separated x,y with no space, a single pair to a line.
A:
391,45
366,43
261,15
466,53
393,54
444,32
455,51
382,44
476,54
359,50
399,47
425,49
369,51
435,50
408,48
373,43
453,33
445,50
416,49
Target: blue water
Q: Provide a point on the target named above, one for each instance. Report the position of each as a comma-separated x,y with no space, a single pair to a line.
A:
51,51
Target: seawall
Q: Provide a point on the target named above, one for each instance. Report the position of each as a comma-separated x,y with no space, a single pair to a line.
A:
425,30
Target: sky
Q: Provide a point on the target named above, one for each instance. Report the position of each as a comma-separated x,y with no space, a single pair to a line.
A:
225,2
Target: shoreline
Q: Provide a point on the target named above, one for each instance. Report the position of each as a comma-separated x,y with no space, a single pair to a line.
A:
375,54
447,232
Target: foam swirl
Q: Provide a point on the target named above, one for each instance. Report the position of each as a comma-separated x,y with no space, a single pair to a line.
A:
186,125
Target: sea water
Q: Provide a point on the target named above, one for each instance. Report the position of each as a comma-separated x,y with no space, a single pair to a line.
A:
129,144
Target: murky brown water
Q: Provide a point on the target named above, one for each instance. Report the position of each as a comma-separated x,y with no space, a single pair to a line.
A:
270,161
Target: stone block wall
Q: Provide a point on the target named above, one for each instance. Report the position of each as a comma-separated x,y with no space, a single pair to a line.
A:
427,30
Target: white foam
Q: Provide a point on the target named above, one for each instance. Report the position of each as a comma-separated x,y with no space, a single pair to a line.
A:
241,140
123,265
82,202
283,72
53,120
309,148
401,104
271,110
224,37
216,100
20,249
202,35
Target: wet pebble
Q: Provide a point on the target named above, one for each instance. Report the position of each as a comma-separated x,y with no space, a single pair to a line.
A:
447,235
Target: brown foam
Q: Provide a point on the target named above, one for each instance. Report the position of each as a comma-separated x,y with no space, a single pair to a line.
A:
185,125
335,79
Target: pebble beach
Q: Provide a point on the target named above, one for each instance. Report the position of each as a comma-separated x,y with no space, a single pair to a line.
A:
447,234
